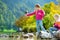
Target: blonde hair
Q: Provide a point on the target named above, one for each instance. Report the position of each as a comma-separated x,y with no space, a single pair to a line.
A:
56,15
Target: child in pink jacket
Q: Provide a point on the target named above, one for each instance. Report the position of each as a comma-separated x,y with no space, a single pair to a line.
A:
39,17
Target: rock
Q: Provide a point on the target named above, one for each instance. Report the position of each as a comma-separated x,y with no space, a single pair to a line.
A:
45,35
57,34
25,35
31,34
4,35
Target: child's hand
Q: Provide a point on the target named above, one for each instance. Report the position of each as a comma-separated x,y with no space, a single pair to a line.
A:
25,14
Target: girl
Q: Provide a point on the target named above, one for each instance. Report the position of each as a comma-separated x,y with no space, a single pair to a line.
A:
56,24
39,17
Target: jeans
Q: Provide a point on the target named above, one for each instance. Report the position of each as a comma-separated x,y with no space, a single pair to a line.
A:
39,25
52,29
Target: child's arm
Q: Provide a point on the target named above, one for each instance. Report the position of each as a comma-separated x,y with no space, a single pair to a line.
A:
43,13
29,14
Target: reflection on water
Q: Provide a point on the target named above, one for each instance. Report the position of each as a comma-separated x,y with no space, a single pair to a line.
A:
8,38
14,36
28,39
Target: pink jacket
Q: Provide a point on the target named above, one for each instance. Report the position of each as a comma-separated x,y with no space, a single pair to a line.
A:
57,25
39,14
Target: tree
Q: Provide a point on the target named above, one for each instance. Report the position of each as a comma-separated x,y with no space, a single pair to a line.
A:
3,9
48,19
26,22
58,1
7,18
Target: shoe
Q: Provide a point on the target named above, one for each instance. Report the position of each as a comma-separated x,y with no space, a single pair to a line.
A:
38,35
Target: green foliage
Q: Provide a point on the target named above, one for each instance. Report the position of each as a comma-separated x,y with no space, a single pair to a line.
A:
48,21
6,16
3,9
47,8
58,1
11,30
26,23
